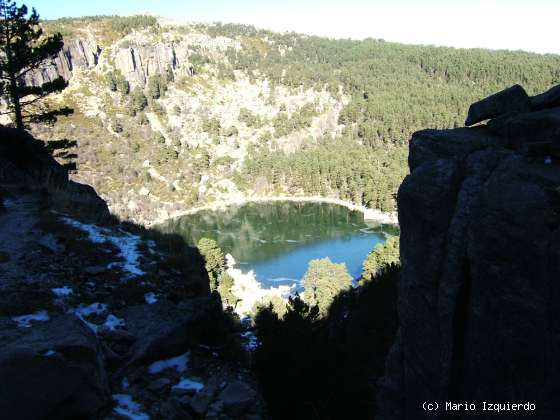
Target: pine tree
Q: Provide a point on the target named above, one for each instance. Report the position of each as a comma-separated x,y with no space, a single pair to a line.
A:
323,281
214,260
23,49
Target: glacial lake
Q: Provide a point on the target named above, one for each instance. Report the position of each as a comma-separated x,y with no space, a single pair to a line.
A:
278,239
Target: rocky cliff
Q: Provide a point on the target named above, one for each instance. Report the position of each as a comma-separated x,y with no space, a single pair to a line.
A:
80,53
480,250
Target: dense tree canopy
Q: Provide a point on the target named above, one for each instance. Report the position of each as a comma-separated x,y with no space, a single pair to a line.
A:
214,260
323,281
381,257
394,90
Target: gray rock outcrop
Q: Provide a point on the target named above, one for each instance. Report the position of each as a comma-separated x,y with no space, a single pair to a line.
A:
480,252
513,99
138,63
75,54
51,371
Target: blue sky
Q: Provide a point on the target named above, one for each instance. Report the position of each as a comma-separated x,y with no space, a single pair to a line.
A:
515,24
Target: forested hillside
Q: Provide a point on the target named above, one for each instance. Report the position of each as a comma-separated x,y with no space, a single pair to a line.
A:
206,113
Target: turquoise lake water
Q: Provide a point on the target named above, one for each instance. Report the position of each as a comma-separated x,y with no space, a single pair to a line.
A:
278,239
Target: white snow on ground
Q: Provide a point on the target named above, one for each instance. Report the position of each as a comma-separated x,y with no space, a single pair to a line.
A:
113,323
9,203
87,310
62,291
129,408
249,290
150,298
127,244
187,384
84,311
179,363
24,321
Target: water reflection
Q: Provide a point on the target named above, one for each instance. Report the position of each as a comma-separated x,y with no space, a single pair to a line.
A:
278,239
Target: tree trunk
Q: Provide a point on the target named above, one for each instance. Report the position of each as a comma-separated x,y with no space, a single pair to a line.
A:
15,103
14,97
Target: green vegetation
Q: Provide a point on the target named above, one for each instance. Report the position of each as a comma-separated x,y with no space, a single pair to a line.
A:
364,175
385,92
117,83
323,281
394,90
317,358
108,28
156,86
214,260
225,283
215,264
382,256
138,100
250,118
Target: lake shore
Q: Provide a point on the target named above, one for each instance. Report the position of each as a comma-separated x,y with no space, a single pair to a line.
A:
370,215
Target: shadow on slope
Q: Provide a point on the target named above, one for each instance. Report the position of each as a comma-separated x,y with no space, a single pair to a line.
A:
313,368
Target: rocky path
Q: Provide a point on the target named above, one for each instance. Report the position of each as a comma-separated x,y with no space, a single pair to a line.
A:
17,223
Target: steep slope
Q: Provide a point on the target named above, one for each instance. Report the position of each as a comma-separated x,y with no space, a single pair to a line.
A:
169,117
99,318
478,293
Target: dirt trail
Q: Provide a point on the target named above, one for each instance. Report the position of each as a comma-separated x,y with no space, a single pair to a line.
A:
16,233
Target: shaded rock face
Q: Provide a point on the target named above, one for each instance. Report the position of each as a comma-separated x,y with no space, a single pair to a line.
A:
75,54
54,372
26,162
513,99
165,330
480,254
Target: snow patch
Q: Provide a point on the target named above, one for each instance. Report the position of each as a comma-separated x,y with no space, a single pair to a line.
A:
113,323
83,310
127,244
179,363
62,291
129,408
24,321
150,298
249,290
187,384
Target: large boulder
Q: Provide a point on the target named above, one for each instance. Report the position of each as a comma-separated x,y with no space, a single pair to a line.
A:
548,99
165,329
511,100
480,254
521,131
237,397
51,370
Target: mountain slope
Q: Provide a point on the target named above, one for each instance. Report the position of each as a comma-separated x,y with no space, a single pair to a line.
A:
171,117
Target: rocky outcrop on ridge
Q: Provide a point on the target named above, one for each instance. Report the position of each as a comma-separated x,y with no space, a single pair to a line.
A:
480,251
77,53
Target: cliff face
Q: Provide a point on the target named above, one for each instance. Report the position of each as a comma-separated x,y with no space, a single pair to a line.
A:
78,53
136,62
480,253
